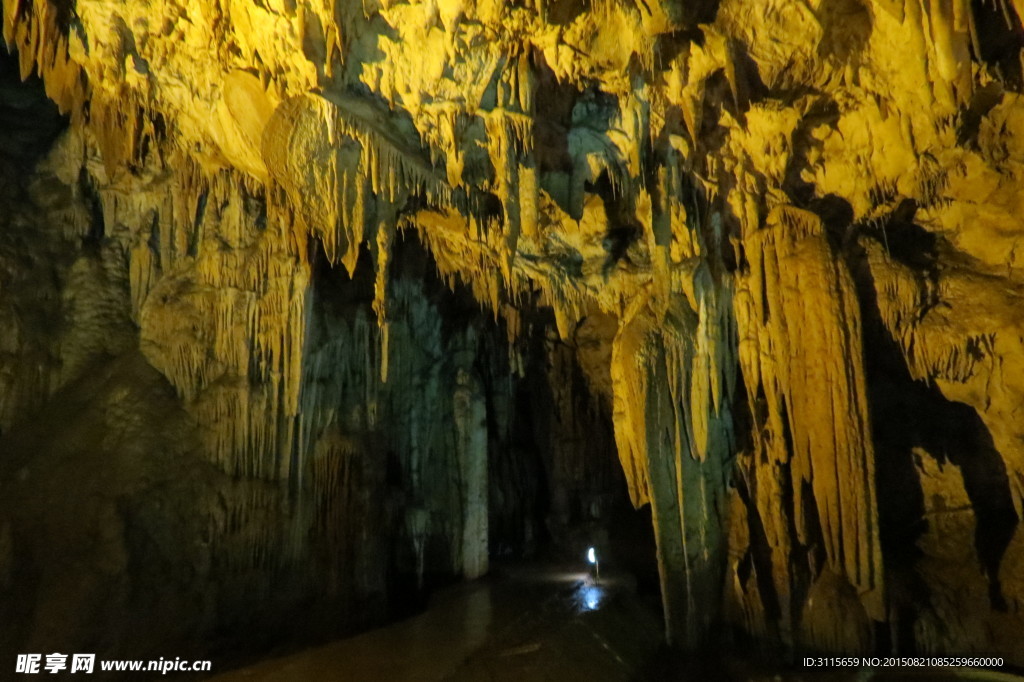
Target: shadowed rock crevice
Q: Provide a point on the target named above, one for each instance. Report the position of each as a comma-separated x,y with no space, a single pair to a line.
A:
915,424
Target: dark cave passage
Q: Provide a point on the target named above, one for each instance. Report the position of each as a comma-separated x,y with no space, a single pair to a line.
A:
554,483
555,489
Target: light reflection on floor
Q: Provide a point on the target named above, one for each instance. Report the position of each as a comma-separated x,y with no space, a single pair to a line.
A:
588,592
589,596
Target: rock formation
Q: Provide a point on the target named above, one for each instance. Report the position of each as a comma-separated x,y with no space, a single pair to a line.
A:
763,249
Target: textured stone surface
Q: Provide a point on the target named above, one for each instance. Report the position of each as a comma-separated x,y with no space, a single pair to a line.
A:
777,237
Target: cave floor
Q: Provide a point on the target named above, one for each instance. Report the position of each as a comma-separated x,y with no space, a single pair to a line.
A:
530,622
521,623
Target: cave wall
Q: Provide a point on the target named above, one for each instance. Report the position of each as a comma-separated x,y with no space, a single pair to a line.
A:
777,238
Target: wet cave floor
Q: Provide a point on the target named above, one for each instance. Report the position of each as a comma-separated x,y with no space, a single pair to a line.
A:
538,622
522,622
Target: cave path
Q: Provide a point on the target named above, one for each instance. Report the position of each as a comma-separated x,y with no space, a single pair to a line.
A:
524,622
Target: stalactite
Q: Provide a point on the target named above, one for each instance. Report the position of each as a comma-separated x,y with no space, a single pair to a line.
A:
385,236
674,435
788,347
356,157
33,30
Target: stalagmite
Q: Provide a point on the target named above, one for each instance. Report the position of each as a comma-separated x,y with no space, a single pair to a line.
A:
470,423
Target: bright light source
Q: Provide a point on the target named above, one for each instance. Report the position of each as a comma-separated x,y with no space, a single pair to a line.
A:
591,555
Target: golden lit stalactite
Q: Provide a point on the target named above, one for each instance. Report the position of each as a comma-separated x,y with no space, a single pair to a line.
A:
510,146
672,378
674,437
238,317
243,112
799,329
33,30
381,248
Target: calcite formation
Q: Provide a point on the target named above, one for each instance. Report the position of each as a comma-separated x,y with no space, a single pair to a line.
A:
774,242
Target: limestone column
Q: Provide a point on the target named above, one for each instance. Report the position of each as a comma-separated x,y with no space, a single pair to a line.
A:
471,433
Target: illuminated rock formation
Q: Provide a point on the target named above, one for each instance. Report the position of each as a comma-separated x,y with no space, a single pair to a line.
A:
776,238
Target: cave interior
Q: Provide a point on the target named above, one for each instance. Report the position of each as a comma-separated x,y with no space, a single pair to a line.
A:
318,318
